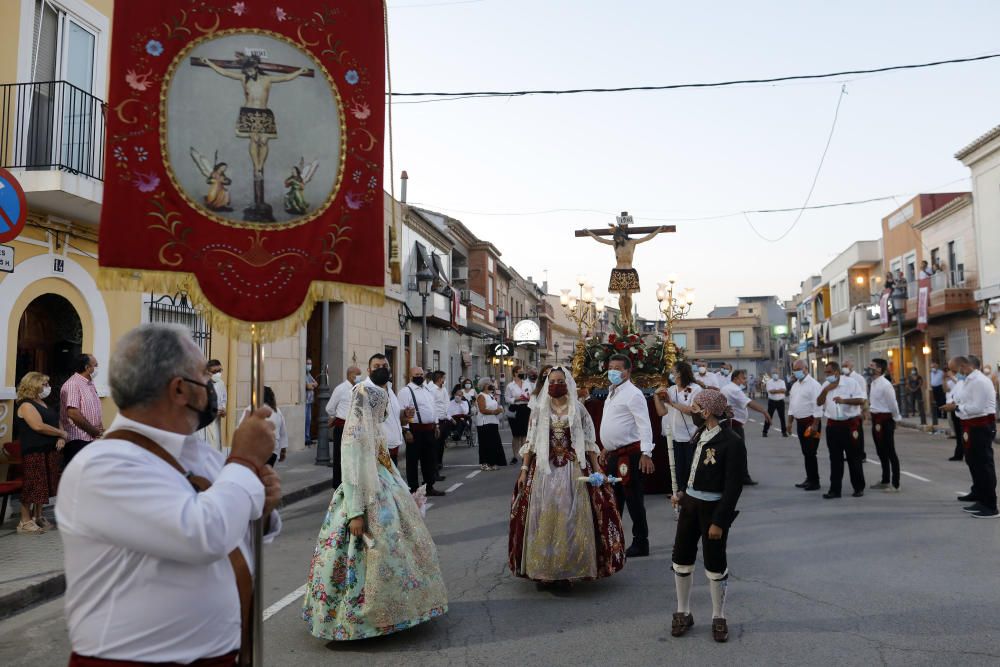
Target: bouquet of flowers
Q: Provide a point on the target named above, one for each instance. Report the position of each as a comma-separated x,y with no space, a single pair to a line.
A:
646,354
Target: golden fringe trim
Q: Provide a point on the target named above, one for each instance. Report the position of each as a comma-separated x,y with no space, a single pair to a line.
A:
171,282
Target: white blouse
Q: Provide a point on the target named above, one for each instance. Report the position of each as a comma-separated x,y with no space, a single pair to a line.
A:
491,404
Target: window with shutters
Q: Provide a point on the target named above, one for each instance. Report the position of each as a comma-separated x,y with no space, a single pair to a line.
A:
707,340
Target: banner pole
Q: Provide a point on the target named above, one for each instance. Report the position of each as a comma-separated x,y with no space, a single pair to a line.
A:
257,612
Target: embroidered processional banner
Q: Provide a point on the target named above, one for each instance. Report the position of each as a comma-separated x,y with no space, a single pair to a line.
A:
244,155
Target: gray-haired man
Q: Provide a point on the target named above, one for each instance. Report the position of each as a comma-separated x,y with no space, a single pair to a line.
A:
151,512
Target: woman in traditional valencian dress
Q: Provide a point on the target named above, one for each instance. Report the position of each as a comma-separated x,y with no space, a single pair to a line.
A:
375,568
562,529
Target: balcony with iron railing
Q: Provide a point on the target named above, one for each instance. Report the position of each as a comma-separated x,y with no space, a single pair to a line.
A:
52,137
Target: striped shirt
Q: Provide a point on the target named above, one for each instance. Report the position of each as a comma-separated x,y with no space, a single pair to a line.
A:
80,393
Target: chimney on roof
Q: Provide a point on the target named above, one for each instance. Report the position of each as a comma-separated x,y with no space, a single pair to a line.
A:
403,179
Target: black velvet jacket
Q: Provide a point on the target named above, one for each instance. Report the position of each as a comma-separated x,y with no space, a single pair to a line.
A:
720,469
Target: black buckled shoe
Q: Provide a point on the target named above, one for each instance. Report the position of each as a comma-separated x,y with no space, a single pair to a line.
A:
637,550
720,630
681,624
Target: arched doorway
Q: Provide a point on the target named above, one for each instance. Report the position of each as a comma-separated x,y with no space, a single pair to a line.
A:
49,338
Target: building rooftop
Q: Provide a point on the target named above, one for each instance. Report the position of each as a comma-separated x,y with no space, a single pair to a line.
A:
979,142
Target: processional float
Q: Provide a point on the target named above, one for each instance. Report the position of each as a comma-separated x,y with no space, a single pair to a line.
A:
288,100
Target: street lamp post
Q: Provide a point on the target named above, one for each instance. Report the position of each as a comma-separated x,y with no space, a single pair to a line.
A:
898,310
673,308
502,326
556,346
585,310
425,280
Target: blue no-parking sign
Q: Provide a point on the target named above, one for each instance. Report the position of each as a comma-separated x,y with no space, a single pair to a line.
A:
13,207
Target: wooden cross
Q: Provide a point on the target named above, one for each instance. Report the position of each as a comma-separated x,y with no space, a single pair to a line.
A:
262,66
624,220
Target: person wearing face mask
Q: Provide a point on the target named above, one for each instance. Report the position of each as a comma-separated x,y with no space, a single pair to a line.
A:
703,377
36,425
80,413
336,410
418,401
740,405
488,411
803,408
152,512
724,374
842,402
915,394
458,413
379,374
562,531
938,392
976,406
885,414
847,373
627,437
213,433
707,511
517,395
674,405
311,385
776,390
375,568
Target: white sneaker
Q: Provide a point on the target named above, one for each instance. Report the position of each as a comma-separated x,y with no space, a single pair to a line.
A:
29,528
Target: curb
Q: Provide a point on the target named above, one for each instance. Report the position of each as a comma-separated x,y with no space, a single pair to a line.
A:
54,586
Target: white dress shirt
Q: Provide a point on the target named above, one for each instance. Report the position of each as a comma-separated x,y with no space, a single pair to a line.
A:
977,397
840,411
882,398
148,577
723,380
858,379
680,425
277,420
775,385
937,377
491,404
515,394
459,408
738,402
626,419
425,403
708,379
392,427
954,389
802,398
441,400
339,404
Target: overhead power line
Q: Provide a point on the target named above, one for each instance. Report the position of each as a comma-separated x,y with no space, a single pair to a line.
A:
449,96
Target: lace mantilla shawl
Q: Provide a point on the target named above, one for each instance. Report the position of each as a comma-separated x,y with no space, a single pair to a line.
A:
363,440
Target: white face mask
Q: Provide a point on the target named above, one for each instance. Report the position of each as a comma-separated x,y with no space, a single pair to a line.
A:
217,377
46,390
93,374
702,369
309,367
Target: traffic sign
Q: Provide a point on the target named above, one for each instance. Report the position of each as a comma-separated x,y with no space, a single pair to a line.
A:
7,258
13,207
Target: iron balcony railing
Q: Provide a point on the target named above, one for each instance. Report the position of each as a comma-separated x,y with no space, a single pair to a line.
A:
52,125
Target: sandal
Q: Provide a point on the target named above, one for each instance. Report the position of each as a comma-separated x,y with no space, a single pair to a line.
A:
720,630
29,528
681,624
483,467
44,523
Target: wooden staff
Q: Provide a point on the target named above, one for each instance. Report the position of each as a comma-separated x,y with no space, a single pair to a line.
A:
257,612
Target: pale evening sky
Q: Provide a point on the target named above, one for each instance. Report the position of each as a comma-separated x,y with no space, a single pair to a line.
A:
685,153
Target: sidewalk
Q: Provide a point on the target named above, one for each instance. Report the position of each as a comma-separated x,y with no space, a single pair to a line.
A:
943,427
31,565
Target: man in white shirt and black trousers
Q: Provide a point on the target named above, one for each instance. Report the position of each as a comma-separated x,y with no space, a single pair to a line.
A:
842,400
421,446
741,404
976,405
155,523
885,413
776,390
627,437
804,409
336,409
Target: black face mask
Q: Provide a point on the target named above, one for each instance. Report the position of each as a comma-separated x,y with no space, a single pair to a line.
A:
419,380
380,376
698,420
207,414
533,378
520,376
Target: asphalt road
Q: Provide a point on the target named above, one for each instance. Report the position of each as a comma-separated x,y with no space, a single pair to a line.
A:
904,579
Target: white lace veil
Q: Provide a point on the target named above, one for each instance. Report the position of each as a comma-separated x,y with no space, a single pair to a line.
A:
362,440
537,440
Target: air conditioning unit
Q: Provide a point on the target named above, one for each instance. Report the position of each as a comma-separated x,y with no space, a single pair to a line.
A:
460,273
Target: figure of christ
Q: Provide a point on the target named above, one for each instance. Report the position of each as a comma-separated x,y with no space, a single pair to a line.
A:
256,121
625,279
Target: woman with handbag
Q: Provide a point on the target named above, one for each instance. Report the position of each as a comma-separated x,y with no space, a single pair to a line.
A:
488,411
517,396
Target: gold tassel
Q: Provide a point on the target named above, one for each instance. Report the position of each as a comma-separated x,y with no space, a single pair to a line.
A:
171,282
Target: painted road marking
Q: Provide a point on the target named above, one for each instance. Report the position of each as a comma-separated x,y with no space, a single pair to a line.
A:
910,474
453,487
473,474
284,602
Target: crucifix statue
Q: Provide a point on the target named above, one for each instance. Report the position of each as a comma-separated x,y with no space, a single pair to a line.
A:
256,121
624,279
